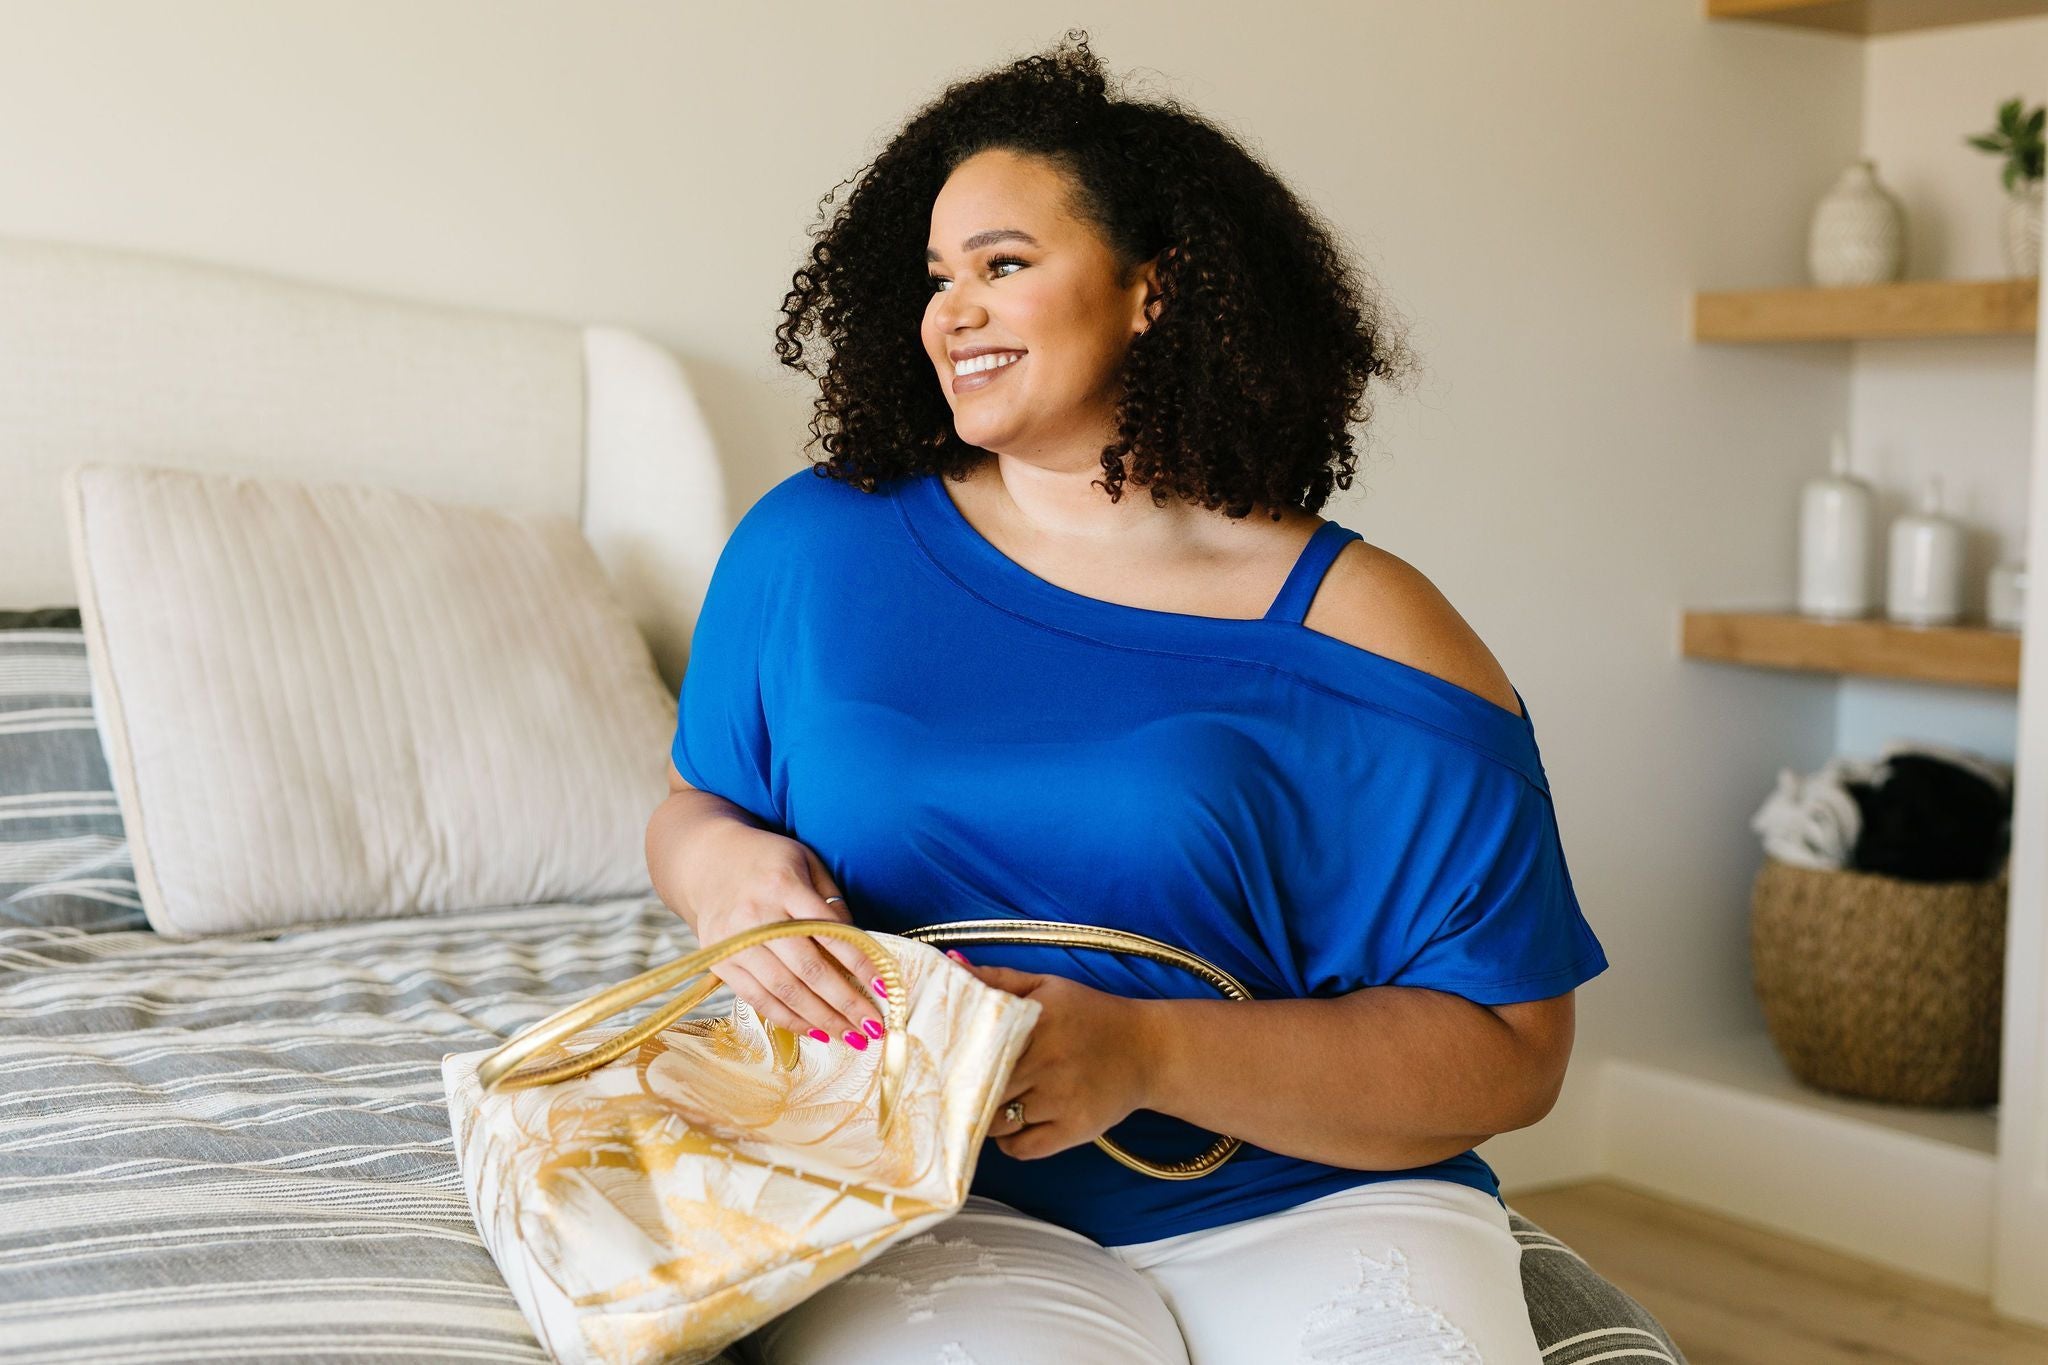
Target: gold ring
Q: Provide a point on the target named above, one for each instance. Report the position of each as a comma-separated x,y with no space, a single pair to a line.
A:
1014,1111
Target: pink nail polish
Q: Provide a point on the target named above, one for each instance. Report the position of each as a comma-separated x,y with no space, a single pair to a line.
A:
957,956
821,1035
856,1042
881,987
873,1026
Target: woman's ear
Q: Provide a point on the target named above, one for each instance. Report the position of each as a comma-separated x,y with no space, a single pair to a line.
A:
1155,300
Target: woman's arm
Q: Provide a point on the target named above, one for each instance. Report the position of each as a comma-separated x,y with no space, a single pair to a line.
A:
1383,1079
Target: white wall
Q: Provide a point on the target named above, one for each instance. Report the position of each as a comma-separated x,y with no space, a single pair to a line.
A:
1537,187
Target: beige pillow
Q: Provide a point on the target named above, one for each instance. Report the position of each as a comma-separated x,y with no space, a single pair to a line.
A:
329,702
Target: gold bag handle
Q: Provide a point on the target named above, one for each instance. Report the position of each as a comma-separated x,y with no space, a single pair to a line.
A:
499,1070
1066,935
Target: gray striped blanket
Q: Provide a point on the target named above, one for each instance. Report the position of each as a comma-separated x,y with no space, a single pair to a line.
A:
63,849
238,1149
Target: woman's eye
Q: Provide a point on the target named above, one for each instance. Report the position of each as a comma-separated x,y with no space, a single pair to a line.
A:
934,281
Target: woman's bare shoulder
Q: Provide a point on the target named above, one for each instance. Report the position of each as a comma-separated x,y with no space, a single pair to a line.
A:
1376,600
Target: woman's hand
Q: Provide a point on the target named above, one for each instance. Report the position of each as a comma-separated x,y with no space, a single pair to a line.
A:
1087,1064
824,989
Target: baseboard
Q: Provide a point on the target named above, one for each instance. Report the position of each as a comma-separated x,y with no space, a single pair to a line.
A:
1804,1168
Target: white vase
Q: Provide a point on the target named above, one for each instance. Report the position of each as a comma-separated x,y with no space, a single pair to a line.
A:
1835,542
1858,234
2007,591
2023,230
1924,575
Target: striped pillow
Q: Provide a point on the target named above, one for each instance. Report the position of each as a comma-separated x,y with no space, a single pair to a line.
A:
63,852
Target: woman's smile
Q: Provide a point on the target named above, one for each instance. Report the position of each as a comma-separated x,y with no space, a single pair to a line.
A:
997,365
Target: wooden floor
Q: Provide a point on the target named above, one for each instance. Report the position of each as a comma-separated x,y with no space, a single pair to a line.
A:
1730,1294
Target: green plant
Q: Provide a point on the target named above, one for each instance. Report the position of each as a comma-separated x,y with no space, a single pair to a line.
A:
2018,139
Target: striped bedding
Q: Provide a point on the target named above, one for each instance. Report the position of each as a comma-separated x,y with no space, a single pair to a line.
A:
63,849
238,1149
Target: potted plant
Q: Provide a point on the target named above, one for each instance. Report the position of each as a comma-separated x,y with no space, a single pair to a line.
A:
2018,139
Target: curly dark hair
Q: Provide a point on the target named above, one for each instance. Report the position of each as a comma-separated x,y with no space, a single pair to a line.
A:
1241,391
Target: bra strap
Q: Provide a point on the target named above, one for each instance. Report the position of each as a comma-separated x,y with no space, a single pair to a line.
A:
1316,557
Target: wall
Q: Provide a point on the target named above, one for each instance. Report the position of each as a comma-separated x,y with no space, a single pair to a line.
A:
1537,188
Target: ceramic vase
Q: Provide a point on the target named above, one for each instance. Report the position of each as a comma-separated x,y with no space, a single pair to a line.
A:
1858,234
1925,568
1835,541
2023,230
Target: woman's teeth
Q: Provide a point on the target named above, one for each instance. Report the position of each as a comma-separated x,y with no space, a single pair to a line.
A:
991,361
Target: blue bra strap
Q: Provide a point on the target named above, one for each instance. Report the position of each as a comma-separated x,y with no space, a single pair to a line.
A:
1300,588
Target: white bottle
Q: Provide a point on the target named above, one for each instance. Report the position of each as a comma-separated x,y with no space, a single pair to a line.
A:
2007,590
1926,564
1835,541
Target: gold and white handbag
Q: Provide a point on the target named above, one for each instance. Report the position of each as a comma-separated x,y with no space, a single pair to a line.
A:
660,1191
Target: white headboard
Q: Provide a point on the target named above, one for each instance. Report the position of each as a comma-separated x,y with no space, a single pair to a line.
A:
132,358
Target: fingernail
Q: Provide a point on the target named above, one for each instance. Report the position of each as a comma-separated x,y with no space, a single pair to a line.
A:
821,1035
881,987
856,1042
958,957
873,1026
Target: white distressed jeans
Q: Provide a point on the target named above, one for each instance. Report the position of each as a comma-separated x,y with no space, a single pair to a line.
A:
1400,1271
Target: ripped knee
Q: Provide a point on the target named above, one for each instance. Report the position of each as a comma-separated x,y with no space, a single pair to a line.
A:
922,1268
1378,1320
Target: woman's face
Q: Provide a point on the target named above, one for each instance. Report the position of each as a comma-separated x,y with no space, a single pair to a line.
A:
1011,269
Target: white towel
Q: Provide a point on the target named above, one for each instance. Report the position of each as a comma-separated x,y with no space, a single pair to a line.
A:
1813,821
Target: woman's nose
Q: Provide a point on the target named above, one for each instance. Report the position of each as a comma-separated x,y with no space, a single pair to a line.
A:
956,310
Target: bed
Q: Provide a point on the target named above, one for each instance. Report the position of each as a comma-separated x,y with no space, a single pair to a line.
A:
234,1145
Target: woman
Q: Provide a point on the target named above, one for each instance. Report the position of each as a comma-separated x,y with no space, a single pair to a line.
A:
954,672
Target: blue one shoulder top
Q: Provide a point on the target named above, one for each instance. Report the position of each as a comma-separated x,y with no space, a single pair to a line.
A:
958,738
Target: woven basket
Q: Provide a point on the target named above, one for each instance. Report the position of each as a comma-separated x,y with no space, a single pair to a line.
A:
1882,988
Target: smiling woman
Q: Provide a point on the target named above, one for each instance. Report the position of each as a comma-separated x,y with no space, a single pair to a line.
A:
967,678
1178,312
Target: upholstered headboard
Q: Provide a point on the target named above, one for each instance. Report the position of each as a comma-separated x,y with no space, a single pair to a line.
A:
130,358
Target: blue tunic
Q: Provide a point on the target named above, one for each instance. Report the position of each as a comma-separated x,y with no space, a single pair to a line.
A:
958,738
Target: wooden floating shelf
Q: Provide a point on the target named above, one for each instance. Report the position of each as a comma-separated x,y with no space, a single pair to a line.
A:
1971,655
1910,308
1867,17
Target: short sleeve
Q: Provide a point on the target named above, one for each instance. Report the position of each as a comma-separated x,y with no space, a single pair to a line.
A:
1514,930
722,737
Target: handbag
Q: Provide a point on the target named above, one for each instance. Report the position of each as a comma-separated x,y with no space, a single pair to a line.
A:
655,1193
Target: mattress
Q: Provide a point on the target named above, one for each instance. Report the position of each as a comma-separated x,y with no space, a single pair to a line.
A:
238,1148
